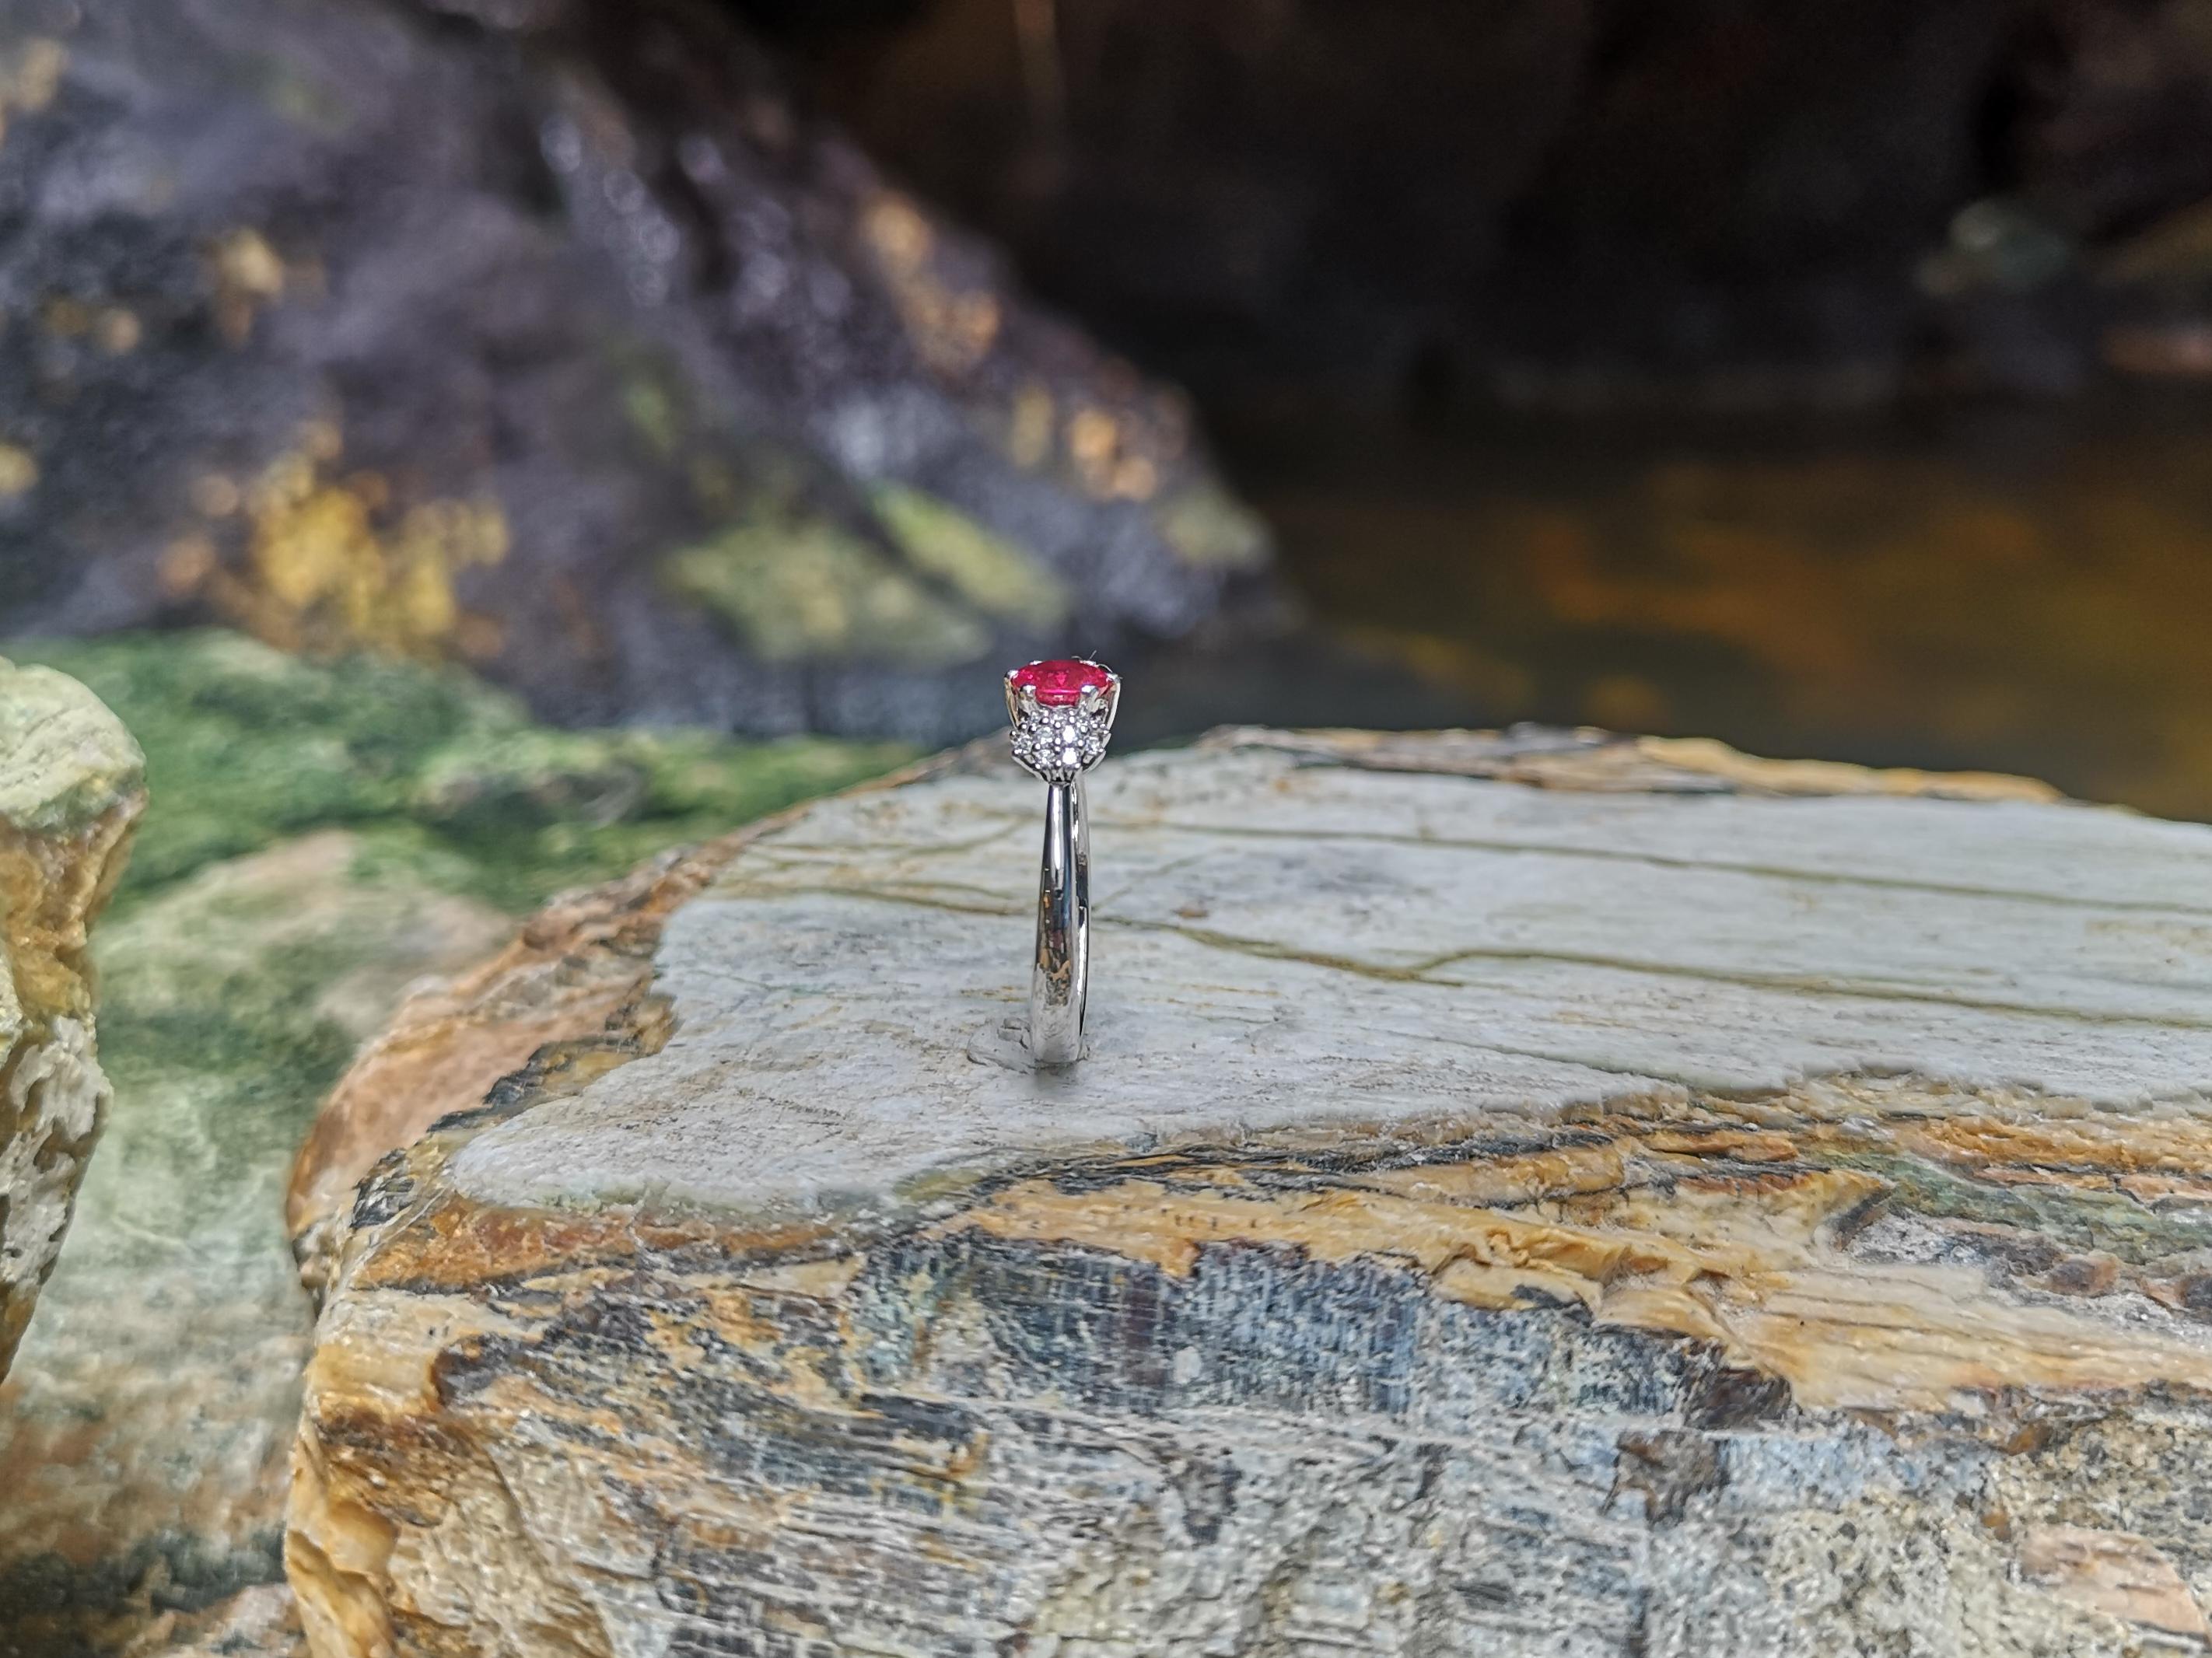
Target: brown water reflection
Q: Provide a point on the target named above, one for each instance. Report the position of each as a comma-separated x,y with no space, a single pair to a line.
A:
2022,589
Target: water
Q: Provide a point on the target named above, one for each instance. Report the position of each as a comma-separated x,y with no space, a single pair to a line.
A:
2019,588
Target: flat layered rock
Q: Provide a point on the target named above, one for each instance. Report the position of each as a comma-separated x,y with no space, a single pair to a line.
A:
1529,1194
72,783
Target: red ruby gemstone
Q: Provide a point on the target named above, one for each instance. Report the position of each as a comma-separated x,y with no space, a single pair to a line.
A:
1061,683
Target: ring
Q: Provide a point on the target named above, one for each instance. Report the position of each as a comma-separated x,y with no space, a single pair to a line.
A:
1061,713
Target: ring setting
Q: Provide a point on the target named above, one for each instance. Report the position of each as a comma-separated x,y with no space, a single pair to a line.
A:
1061,715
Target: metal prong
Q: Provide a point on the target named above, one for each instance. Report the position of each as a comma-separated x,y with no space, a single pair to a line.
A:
1109,696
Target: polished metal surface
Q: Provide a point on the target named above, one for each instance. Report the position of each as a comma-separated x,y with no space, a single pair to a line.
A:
1059,743
1059,981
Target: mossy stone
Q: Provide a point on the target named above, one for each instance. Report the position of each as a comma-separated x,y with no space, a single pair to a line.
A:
246,745
321,835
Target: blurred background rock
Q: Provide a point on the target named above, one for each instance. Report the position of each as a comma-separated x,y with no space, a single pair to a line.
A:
1829,376
1832,378
554,341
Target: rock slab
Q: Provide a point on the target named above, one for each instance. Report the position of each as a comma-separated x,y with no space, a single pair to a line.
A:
72,783
1543,1192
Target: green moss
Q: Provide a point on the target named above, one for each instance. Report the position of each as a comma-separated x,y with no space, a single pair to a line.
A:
1210,528
231,1002
245,746
652,412
990,572
795,586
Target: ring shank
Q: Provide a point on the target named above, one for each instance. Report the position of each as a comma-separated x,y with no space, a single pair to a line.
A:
1059,981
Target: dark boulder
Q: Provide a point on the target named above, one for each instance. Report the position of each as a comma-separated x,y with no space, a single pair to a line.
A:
553,339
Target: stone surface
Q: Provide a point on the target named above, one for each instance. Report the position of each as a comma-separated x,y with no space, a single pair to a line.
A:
1545,1192
550,337
584,961
72,783
321,838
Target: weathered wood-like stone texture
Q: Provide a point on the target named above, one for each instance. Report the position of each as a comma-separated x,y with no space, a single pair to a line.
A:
71,785
1533,1195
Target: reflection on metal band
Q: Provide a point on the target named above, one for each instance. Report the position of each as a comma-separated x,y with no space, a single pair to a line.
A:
1061,973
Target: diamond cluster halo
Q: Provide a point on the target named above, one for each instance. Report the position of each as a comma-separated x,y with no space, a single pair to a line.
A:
1061,711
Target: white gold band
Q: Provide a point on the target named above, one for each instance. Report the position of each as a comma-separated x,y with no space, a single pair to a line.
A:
1060,979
